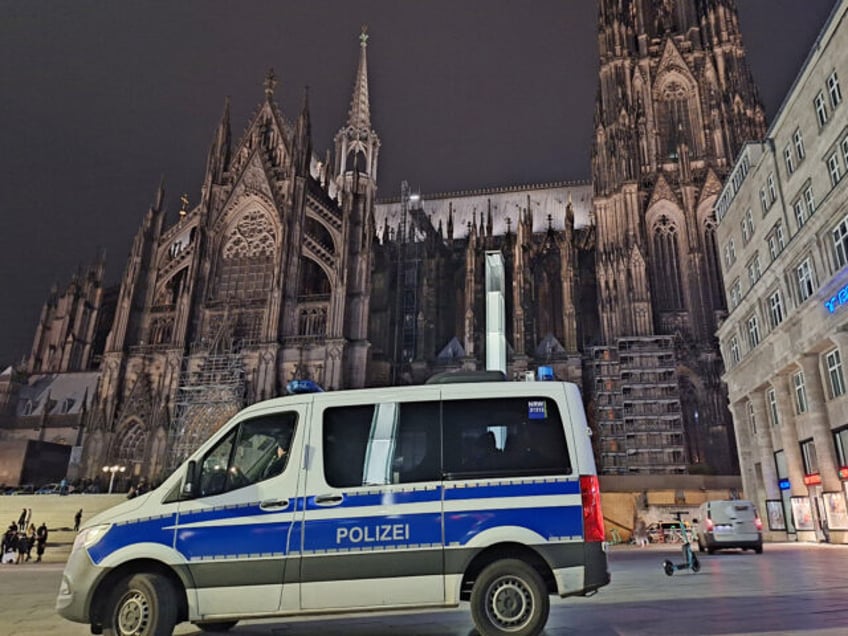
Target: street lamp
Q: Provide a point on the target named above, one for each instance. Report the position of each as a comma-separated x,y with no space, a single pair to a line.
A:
113,469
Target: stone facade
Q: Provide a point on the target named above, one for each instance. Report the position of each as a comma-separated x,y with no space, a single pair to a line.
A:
784,234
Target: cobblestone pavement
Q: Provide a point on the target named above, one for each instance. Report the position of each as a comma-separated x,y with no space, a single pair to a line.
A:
790,589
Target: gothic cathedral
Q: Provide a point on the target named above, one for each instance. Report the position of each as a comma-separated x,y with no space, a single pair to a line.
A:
288,267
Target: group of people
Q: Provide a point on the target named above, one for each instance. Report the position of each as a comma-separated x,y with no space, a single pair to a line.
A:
20,538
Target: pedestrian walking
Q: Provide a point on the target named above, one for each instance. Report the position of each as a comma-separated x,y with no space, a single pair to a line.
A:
640,533
31,534
77,519
41,540
22,519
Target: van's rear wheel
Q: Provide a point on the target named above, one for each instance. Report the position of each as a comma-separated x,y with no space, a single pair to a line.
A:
509,597
141,605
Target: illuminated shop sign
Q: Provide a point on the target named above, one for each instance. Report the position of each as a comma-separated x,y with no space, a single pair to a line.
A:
837,300
843,472
784,484
812,480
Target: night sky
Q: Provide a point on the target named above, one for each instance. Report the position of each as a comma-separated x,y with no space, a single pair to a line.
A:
99,99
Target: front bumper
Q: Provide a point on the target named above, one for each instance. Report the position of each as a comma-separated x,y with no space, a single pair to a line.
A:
79,581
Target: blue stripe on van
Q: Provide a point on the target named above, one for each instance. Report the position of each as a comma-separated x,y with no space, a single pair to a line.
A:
387,498
518,489
149,530
551,523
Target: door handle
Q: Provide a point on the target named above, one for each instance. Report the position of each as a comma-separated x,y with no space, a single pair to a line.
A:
328,500
274,504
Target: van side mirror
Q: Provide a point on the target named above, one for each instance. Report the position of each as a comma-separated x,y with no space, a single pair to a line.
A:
189,482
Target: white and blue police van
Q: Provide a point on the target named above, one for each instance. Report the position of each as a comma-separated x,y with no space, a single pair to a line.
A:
395,498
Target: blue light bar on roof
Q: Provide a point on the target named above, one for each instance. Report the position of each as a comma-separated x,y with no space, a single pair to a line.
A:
545,374
303,386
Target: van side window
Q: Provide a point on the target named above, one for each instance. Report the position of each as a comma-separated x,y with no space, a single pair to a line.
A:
255,450
390,442
503,437
345,441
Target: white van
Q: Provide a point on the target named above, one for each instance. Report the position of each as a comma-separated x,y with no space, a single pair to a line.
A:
729,523
414,497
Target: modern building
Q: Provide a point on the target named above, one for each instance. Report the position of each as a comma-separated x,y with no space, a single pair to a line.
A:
783,232
287,266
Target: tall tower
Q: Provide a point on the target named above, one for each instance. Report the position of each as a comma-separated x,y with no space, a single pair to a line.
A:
675,103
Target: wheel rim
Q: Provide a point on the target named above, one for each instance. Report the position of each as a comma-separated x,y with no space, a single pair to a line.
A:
133,616
509,603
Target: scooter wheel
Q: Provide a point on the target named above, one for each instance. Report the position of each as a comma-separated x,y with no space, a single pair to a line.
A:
668,566
696,565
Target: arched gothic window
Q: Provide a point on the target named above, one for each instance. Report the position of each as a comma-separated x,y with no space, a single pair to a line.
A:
245,269
711,258
132,444
666,257
674,119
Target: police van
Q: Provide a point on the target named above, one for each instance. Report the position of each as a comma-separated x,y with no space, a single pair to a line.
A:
395,498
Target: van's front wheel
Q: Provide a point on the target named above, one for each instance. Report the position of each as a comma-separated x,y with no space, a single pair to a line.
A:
509,597
141,605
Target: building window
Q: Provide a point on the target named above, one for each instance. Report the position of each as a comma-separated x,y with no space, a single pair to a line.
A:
845,150
764,202
735,294
800,212
753,331
800,392
774,416
805,280
840,440
776,314
810,200
834,169
840,242
834,90
735,355
808,455
667,275
789,159
752,419
776,242
834,372
754,270
729,253
772,188
799,144
821,108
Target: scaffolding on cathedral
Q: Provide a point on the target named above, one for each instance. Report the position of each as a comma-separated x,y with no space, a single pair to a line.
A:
406,329
211,391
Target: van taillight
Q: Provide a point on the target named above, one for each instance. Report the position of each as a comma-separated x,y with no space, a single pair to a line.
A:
710,525
759,524
593,517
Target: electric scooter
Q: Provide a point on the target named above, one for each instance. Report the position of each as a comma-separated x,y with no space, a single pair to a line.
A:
690,561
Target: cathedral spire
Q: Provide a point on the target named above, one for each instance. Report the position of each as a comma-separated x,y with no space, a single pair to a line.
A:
270,84
359,116
303,136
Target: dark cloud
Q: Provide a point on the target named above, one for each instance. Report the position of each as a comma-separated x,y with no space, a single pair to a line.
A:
101,98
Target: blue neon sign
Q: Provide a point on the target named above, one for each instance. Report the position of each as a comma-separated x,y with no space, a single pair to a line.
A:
837,300
783,484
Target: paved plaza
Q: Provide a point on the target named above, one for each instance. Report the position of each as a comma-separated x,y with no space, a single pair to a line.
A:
789,589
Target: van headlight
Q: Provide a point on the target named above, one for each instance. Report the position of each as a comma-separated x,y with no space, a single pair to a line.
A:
88,537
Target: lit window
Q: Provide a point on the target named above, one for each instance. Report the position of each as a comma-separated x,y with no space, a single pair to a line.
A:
753,331
775,309
799,144
800,392
834,373
821,108
840,242
834,168
805,280
789,159
774,416
834,90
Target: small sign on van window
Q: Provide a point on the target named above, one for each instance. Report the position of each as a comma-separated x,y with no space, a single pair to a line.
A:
741,508
537,410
